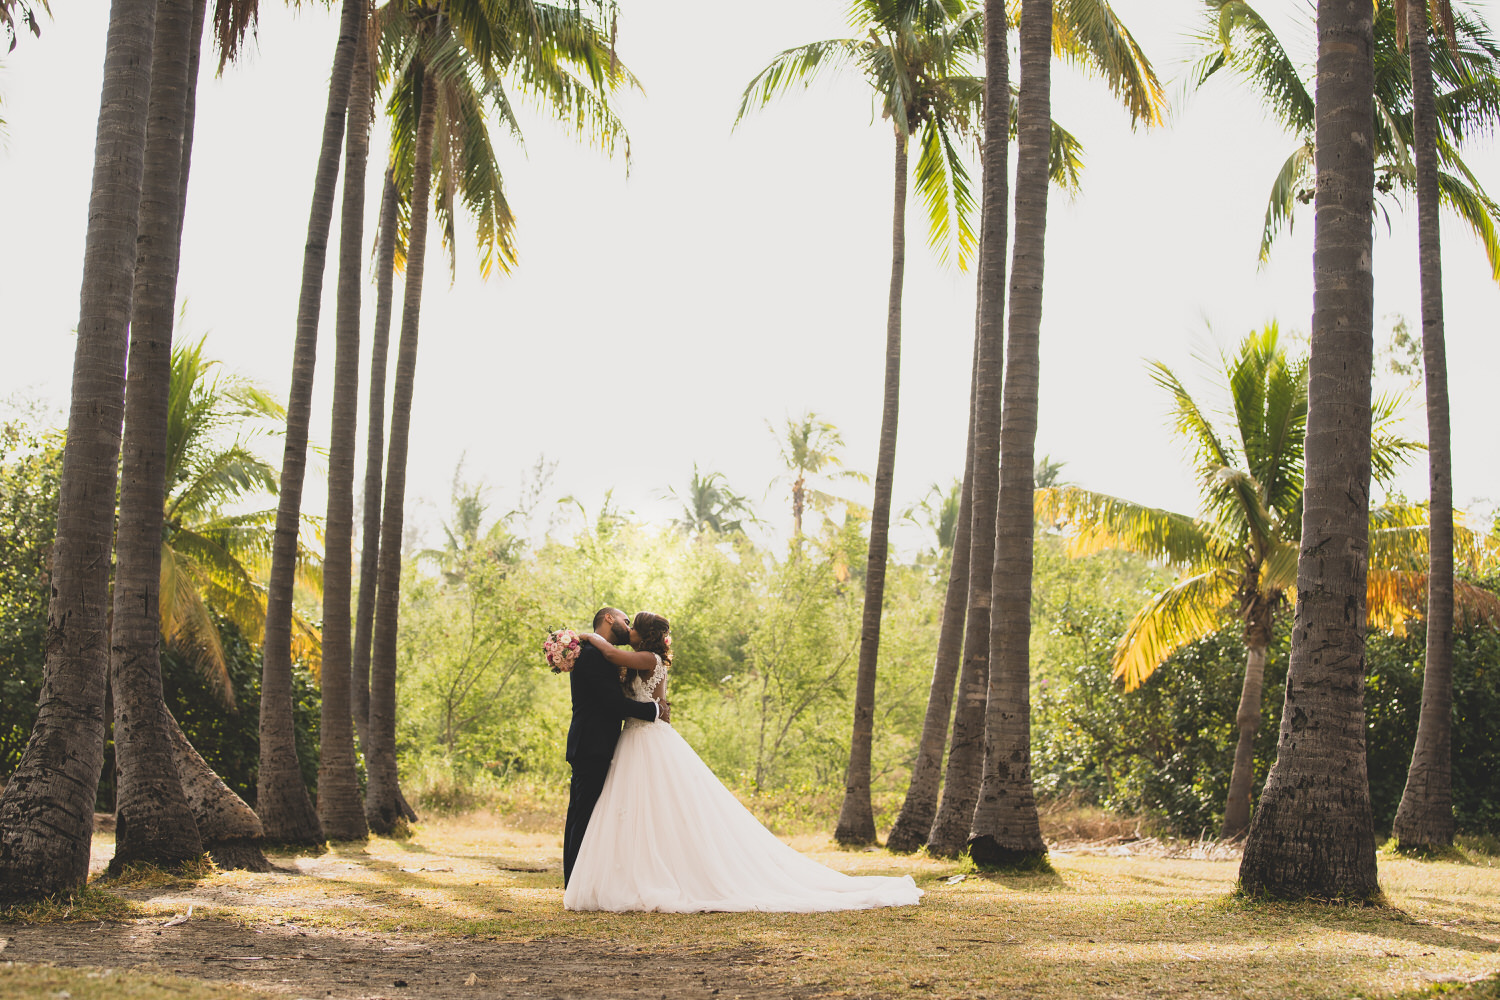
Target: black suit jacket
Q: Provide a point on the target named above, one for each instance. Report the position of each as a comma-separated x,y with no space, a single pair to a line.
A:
599,707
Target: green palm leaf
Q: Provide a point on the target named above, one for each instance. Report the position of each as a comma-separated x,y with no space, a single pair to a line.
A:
1182,613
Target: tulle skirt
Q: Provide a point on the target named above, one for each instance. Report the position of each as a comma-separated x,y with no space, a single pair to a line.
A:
667,835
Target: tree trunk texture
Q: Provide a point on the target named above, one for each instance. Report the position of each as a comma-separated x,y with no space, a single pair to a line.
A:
190,109
340,805
950,830
369,552
382,796
920,806
856,824
281,797
1006,828
1247,719
152,821
47,807
1311,836
230,830
1424,820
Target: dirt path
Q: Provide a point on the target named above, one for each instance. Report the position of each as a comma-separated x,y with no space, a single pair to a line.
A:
356,965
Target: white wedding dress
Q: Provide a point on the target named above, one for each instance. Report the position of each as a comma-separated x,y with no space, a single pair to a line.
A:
667,835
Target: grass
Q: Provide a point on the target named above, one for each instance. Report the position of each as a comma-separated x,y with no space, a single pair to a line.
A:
19,981
1094,926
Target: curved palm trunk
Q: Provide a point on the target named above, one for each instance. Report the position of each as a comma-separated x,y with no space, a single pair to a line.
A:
920,805
369,553
1425,817
950,829
190,109
340,805
1006,829
152,819
47,807
383,805
856,823
281,797
1247,719
230,830
1311,834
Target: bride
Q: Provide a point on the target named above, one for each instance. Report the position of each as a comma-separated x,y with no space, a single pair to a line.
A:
666,835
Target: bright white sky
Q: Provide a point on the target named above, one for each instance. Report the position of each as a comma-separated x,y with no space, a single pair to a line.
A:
733,277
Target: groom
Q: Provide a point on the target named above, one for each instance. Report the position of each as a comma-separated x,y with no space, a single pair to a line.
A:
599,707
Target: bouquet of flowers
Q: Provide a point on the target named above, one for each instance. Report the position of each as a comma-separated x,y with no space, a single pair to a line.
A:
561,648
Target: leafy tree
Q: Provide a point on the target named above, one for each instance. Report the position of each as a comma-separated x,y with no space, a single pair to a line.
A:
1235,39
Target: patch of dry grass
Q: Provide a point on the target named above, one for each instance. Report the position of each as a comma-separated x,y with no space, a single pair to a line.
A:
1098,926
22,981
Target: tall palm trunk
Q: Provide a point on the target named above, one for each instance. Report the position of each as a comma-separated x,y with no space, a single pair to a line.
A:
152,819
47,807
856,823
369,552
920,805
382,794
1425,817
1247,717
190,108
1311,835
281,797
950,829
340,806
1006,827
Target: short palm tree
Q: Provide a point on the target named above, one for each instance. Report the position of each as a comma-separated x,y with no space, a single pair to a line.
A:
1236,39
214,552
809,447
1239,560
710,505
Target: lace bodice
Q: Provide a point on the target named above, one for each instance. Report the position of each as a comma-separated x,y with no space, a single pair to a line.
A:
641,687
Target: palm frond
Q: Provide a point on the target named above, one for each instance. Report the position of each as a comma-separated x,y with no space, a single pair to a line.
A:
801,65
1089,34
942,181
1292,185
1186,611
1098,521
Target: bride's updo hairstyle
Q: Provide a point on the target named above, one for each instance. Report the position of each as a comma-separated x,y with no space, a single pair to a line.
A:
656,634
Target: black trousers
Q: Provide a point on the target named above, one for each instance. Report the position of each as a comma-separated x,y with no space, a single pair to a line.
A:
583,793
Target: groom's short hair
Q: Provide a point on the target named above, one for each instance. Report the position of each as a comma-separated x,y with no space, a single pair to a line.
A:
603,613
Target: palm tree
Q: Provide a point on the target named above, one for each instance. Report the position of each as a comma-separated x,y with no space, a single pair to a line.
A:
369,550
810,446
1239,559
340,805
1006,828
1087,33
153,821
213,556
920,804
447,73
917,59
1235,38
214,553
1424,819
1312,834
47,807
710,506
281,798
29,12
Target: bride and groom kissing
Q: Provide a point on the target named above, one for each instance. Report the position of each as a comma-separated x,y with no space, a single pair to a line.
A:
649,826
